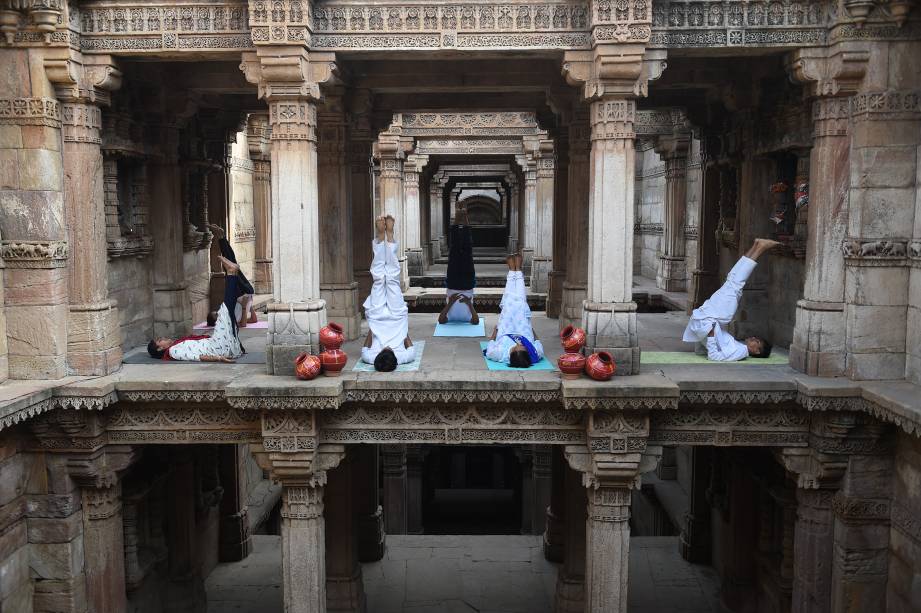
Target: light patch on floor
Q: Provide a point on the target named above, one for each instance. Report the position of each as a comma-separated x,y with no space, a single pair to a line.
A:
470,574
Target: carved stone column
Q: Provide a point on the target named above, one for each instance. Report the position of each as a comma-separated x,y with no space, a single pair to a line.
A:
559,224
104,547
541,459
290,85
542,222
303,548
235,543
672,274
390,150
337,286
527,222
258,134
344,589
580,147
706,275
360,141
554,533
609,313
415,465
514,211
393,459
367,506
93,334
415,260
695,537
436,218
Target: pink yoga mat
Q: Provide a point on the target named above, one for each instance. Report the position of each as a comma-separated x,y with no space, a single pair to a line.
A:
258,325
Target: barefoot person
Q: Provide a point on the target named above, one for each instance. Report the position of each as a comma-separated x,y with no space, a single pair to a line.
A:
388,342
461,277
245,288
222,346
708,322
513,340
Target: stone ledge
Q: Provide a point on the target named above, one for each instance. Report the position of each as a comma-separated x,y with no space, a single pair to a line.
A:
639,392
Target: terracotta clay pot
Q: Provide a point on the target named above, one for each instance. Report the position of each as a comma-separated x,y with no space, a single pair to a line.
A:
307,367
333,362
600,366
572,339
571,365
331,336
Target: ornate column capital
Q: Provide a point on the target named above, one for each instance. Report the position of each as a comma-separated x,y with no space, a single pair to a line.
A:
82,84
829,71
623,69
290,73
298,465
258,134
613,118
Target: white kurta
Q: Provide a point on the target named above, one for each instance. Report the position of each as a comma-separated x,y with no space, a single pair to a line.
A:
459,311
385,309
514,318
717,312
222,342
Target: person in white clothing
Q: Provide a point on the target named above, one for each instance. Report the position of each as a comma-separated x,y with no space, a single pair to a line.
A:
513,340
708,322
388,342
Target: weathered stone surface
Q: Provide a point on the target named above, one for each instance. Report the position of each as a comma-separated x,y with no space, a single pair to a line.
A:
57,560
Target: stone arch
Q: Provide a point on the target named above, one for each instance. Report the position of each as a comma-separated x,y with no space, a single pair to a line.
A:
483,210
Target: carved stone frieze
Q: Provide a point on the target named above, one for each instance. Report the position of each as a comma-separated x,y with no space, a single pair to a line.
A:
731,426
75,403
102,502
851,509
34,254
886,105
289,431
875,252
737,397
649,228
302,502
647,403
451,125
209,396
457,396
31,111
484,146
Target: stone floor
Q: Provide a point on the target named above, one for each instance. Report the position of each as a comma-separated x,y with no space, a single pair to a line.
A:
467,574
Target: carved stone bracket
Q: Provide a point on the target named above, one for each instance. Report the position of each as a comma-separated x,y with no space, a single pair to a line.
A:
299,468
832,71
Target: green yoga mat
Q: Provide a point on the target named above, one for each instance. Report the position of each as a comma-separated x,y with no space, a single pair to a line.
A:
542,365
689,357
414,365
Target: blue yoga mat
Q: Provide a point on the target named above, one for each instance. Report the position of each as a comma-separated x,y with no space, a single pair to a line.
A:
414,365
542,365
457,328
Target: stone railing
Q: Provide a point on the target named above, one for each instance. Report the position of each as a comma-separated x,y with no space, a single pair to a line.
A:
114,26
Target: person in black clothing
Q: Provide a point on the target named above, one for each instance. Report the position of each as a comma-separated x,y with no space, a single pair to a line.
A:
245,291
461,277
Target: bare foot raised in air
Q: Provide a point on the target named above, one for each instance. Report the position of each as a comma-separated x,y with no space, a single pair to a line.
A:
390,224
229,267
380,226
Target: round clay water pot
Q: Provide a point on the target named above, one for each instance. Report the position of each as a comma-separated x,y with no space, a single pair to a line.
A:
572,339
331,336
600,366
307,367
571,365
333,362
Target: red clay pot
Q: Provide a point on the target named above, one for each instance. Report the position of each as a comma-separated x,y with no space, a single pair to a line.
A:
600,366
307,367
572,339
571,365
333,362
331,336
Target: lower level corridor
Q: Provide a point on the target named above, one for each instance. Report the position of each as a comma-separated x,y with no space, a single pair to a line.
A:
470,574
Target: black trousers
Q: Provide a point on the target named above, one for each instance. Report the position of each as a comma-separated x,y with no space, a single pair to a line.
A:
461,272
243,285
231,293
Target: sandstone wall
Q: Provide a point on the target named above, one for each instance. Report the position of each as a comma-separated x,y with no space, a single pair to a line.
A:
903,593
130,286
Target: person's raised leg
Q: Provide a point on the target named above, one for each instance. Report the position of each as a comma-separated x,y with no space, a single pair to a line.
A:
231,290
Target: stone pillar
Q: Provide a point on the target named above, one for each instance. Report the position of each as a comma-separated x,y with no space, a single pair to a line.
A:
541,458
556,510
185,587
104,548
344,589
706,274
559,224
172,309
337,286
393,458
818,336
527,233
389,149
366,502
694,541
672,272
362,227
35,247
580,147
298,312
303,548
542,221
436,219
525,459
570,585
415,465
514,206
412,212
235,543
813,550
93,333
607,548
609,313
257,135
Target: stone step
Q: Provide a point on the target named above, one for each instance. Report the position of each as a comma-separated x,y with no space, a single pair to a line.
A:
437,281
432,300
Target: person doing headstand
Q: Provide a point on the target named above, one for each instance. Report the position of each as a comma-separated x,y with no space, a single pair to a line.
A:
245,288
513,340
708,321
461,277
388,342
222,346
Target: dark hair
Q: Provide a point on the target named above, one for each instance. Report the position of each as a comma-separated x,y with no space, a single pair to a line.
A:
519,358
765,349
154,351
386,361
211,320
